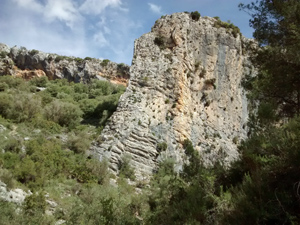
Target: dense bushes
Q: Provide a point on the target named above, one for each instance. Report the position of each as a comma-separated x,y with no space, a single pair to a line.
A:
43,138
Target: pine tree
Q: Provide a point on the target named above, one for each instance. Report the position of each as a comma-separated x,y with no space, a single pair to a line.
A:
277,30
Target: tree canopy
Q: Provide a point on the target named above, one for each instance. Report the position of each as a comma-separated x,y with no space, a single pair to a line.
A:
277,31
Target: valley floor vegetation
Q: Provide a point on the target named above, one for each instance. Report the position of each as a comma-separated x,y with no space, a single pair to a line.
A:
46,127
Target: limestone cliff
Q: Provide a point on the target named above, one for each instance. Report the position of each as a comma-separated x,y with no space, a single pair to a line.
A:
21,62
185,83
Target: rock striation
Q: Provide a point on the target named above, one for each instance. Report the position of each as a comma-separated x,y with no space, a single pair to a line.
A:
27,64
185,83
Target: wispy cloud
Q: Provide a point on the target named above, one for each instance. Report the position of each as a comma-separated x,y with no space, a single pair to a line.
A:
97,6
155,8
95,28
65,11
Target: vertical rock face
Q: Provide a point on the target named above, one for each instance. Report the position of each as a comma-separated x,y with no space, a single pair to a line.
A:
185,83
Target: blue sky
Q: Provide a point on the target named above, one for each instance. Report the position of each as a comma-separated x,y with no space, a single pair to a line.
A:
104,29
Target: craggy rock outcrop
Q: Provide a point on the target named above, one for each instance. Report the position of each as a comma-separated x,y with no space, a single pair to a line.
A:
185,83
27,64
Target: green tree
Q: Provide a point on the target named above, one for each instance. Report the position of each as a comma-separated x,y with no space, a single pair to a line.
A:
184,198
264,184
277,30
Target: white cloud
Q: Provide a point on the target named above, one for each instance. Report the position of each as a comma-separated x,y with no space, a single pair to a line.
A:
155,8
52,10
97,6
62,10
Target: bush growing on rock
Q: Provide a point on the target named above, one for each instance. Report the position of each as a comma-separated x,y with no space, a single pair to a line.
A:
195,15
162,146
230,27
160,42
125,169
33,52
104,62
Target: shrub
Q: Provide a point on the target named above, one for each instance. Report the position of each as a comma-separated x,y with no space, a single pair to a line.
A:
19,107
3,86
102,87
161,146
79,142
33,52
49,127
159,41
88,106
40,81
6,101
12,82
25,107
7,177
104,62
35,204
12,144
59,58
195,15
144,81
125,169
3,54
8,212
235,140
121,66
79,60
63,113
230,27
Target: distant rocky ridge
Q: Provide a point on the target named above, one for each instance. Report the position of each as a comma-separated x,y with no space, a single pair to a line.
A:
24,63
185,83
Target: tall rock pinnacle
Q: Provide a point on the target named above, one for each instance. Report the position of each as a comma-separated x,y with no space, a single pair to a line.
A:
185,83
